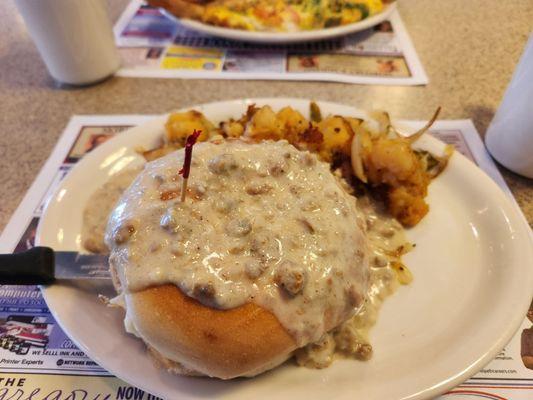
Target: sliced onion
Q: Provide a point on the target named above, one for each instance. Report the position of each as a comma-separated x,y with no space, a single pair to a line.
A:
415,136
383,120
357,156
442,162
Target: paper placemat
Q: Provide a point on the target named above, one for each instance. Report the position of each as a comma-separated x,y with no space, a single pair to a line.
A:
153,45
37,359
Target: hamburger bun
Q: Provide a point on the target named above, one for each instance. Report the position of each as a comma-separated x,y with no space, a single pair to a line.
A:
224,343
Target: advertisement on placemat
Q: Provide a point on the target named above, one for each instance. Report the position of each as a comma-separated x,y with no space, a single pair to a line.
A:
30,339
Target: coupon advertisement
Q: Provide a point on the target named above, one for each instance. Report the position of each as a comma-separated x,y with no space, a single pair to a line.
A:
30,339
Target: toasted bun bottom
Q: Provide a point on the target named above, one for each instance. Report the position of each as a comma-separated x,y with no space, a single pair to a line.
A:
243,341
173,367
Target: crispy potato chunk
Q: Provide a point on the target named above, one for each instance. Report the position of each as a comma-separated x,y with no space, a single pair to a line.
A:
406,207
180,125
264,125
310,140
393,162
337,134
292,123
232,129
298,131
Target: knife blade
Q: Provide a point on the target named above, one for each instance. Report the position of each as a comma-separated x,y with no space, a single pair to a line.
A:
43,266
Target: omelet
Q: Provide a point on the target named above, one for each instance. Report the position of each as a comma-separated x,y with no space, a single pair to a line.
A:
274,15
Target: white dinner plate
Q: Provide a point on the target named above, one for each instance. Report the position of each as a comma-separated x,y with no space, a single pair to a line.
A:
287,37
471,289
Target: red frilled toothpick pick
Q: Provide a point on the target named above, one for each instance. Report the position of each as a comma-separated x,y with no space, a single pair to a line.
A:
191,140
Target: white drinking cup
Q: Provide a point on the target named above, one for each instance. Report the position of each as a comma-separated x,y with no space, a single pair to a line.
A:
509,138
74,38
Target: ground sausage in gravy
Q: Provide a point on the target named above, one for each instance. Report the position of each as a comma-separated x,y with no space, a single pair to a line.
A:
262,222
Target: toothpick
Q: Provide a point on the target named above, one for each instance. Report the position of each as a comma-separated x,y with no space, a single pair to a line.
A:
184,188
186,169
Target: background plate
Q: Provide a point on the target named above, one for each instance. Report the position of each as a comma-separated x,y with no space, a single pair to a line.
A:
287,37
471,289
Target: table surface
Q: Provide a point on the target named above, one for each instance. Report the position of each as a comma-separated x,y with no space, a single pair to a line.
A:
468,48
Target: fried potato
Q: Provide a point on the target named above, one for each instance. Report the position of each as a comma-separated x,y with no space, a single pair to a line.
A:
338,135
180,125
380,158
263,125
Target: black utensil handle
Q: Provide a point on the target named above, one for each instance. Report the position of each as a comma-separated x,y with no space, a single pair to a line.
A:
32,267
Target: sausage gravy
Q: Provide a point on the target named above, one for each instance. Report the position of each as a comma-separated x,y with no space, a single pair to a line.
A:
263,223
